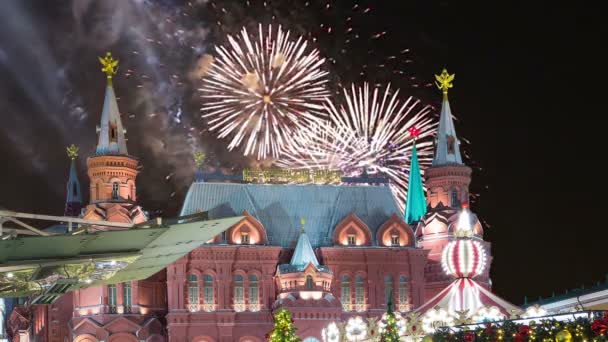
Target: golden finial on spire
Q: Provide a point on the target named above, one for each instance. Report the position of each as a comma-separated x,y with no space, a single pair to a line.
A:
199,158
110,65
303,222
444,81
72,151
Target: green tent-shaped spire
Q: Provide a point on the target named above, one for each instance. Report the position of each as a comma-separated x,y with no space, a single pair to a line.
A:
415,205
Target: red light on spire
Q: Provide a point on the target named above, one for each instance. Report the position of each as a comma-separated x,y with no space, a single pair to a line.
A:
414,132
465,205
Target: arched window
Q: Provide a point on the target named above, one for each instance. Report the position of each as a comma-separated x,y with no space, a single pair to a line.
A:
239,301
115,190
254,294
309,283
360,293
131,192
208,292
112,298
97,186
388,288
454,202
126,297
192,292
345,294
74,190
402,290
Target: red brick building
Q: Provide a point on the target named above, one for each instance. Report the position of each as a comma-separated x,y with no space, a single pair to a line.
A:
352,252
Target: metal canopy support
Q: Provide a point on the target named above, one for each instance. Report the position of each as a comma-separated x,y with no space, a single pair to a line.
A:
27,226
15,216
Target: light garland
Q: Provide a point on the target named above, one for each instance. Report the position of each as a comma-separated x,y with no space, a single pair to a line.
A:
331,333
534,311
488,314
356,329
436,318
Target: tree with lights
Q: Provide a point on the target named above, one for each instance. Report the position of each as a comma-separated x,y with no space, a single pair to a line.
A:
284,330
390,333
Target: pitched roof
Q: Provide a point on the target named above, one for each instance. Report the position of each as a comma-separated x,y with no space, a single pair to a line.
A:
280,207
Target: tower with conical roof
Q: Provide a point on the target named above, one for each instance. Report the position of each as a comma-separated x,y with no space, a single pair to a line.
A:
447,182
73,201
304,283
112,171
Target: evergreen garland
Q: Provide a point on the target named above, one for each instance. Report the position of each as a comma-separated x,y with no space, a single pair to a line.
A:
549,330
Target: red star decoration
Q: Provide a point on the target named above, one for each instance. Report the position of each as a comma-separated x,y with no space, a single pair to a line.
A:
414,132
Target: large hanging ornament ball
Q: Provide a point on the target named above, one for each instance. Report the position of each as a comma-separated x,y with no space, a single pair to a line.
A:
563,336
463,258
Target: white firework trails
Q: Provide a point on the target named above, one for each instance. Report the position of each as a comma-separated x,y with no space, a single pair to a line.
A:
367,133
261,88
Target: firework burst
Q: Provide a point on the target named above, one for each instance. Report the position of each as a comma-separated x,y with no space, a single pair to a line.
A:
368,133
259,89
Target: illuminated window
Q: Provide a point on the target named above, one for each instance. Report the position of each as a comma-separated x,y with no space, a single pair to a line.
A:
345,294
309,283
395,240
454,199
402,290
254,294
126,296
245,238
388,288
238,290
208,289
359,291
351,239
115,190
112,298
192,289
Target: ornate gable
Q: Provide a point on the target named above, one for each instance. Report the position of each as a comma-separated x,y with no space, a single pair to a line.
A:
248,231
396,233
352,231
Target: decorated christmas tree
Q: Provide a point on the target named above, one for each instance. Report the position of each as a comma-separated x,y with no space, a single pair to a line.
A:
284,330
390,332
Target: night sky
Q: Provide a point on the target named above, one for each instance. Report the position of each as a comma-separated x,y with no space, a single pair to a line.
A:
527,96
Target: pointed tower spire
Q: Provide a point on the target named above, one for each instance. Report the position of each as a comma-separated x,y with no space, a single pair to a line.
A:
304,254
111,132
73,201
447,144
415,205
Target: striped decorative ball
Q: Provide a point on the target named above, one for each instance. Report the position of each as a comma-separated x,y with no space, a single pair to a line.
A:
464,258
